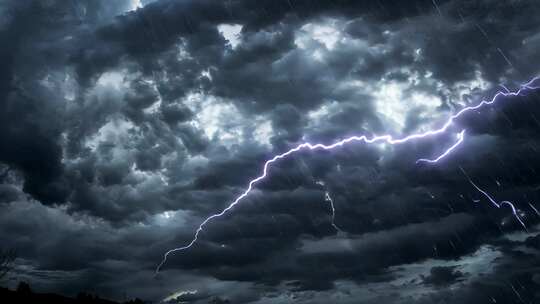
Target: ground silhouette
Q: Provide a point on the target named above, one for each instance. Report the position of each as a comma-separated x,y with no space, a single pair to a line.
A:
24,294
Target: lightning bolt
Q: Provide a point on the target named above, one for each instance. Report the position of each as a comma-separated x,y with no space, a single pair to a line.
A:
494,202
368,140
460,137
329,199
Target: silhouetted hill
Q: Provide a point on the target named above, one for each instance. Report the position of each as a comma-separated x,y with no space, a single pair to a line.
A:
23,294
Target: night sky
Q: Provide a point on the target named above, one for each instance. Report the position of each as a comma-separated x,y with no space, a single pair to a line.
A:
125,123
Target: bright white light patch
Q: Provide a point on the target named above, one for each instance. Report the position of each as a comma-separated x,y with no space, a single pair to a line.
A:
178,294
394,104
263,132
220,120
113,131
154,108
169,218
390,103
223,121
327,33
135,4
231,32
113,79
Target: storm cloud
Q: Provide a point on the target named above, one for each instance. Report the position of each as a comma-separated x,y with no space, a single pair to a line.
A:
124,124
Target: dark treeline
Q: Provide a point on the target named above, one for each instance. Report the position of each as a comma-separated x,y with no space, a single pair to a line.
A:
24,294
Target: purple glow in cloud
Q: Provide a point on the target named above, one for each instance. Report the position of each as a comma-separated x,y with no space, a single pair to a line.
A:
368,140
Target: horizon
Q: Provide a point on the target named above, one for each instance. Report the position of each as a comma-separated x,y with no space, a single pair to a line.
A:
271,151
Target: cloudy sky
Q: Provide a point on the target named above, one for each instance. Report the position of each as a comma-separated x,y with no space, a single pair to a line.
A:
125,123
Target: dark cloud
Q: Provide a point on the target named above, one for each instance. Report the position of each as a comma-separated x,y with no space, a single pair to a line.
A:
124,124
442,276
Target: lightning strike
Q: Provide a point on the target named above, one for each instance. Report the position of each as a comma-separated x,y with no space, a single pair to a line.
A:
460,137
328,198
387,138
494,203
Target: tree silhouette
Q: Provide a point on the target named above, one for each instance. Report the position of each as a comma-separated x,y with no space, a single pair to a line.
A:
24,288
7,257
